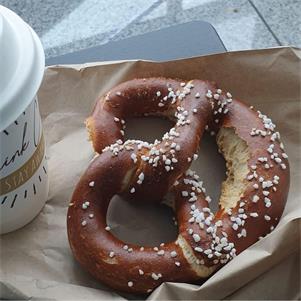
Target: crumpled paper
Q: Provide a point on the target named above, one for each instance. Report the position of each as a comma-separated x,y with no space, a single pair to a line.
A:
36,261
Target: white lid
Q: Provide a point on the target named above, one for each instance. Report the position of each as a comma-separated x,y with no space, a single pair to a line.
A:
22,64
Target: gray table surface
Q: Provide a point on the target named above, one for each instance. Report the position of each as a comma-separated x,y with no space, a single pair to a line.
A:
156,45
66,26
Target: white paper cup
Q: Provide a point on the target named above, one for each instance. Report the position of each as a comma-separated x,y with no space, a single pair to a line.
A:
23,170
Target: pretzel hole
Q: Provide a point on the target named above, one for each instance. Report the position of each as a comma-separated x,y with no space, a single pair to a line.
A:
147,128
211,168
140,223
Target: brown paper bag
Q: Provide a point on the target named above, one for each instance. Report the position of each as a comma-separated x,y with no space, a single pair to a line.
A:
36,261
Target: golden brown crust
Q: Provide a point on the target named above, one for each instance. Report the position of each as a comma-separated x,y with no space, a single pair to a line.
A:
261,204
92,245
154,96
252,201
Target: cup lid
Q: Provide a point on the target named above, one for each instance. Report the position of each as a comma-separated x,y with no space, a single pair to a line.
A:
22,64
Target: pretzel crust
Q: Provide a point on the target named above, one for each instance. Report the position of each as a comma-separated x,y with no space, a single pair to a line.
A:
251,203
157,97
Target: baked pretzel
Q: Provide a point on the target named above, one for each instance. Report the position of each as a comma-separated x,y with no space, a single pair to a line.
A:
252,201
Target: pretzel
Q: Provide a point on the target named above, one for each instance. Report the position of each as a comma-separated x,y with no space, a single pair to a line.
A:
251,203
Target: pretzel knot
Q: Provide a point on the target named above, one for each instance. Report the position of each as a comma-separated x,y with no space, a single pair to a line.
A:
252,199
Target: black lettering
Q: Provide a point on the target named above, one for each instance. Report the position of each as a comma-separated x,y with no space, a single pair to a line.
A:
19,152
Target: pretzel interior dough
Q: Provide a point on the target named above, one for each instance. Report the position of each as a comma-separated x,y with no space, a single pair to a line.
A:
251,203
236,154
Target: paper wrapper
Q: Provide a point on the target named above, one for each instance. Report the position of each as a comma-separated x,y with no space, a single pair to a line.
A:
36,261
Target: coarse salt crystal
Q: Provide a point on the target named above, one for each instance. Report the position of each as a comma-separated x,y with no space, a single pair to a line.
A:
254,214
196,237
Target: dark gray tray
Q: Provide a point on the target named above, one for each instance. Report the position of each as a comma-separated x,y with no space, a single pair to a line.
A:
179,41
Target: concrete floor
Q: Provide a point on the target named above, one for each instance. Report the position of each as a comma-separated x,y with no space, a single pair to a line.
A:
66,26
